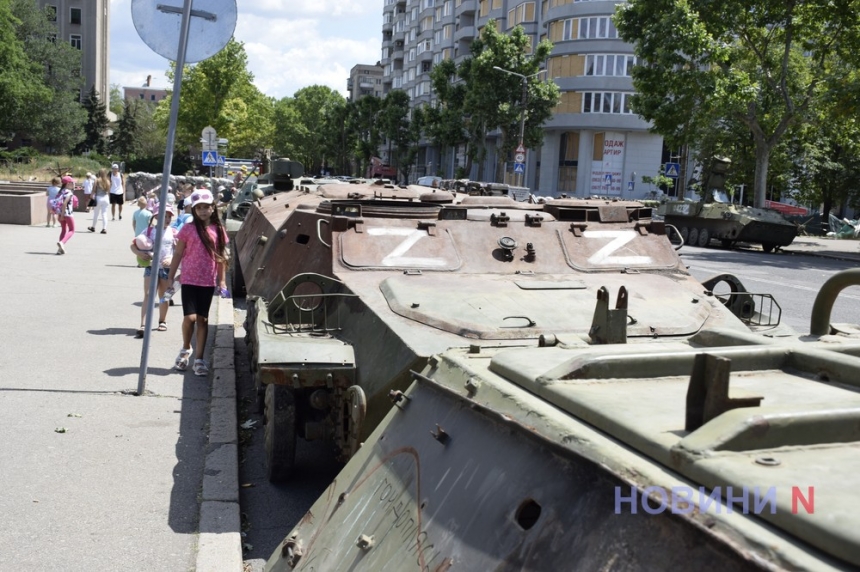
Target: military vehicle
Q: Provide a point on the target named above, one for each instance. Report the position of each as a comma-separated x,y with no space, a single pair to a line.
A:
714,218
724,450
351,287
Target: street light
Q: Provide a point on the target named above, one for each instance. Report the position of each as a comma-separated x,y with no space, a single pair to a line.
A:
525,79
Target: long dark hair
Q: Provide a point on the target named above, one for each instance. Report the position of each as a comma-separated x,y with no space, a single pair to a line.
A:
218,251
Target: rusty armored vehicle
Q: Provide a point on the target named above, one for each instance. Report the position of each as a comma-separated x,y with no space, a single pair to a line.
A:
719,449
353,287
714,218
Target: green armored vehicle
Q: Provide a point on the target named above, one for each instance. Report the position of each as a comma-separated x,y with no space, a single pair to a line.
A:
714,218
721,450
352,287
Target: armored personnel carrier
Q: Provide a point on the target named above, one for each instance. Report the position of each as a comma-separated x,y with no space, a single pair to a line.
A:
352,287
721,450
713,218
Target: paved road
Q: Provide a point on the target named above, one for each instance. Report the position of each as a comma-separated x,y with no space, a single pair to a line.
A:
121,488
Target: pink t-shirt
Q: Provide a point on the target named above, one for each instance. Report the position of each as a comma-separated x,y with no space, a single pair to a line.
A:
198,267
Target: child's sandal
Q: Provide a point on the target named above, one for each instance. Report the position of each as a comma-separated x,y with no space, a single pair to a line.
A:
162,326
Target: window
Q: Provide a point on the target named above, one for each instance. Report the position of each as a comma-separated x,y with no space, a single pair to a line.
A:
446,8
525,12
152,97
439,14
75,16
567,33
427,4
448,31
76,41
427,23
609,64
606,102
596,28
497,4
425,67
411,57
437,36
142,96
484,8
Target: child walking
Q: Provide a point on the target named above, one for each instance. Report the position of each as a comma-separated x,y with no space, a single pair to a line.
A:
201,250
142,246
52,191
67,220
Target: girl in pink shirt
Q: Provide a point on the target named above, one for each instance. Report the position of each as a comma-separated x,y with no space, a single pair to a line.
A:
201,250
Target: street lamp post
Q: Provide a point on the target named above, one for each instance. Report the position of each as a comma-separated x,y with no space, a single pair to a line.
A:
525,79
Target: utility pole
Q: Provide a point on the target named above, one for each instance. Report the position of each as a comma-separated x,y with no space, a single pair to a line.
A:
520,157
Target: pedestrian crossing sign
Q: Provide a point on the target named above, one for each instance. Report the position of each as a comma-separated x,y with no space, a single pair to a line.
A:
673,170
519,168
210,158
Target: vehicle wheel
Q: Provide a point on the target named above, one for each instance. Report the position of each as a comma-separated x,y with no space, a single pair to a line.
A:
693,236
685,232
768,246
280,433
704,237
725,243
237,279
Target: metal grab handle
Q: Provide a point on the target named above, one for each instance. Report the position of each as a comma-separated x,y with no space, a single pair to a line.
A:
319,231
678,233
819,324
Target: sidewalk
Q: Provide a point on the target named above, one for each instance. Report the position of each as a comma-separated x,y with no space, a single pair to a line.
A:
840,249
134,482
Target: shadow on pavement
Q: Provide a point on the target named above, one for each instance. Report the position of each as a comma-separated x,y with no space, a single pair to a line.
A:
113,332
122,371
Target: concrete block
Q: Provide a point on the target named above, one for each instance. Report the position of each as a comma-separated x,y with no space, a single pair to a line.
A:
224,383
219,546
224,337
225,310
222,421
223,358
221,474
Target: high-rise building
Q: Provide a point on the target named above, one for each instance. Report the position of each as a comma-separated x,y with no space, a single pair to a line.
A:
85,24
593,144
364,80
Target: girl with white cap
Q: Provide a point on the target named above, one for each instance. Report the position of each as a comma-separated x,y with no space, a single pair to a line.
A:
201,250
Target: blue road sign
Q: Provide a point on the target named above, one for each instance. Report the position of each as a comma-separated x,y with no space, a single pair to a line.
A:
519,168
630,186
607,179
220,159
210,158
673,170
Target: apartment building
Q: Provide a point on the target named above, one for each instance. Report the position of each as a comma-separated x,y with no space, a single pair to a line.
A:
364,79
593,144
144,93
85,24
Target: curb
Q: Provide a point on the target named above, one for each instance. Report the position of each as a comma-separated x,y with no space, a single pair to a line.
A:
219,544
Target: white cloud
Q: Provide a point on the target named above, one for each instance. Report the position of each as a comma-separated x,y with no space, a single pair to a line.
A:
290,44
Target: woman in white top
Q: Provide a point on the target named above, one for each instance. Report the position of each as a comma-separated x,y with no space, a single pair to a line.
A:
117,191
101,190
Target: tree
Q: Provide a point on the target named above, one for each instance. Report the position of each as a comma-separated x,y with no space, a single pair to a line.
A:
364,125
394,122
55,118
123,141
339,139
22,89
288,128
97,124
444,124
219,91
494,99
116,103
762,65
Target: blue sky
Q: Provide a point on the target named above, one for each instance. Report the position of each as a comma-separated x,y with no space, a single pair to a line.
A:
291,44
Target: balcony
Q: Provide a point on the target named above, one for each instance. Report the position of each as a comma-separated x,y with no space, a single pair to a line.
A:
466,7
464,33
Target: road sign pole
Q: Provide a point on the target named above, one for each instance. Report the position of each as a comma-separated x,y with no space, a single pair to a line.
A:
165,181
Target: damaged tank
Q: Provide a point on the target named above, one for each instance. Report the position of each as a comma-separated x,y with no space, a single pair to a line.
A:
714,218
353,287
720,450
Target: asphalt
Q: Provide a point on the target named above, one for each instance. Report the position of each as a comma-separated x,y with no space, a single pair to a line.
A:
93,476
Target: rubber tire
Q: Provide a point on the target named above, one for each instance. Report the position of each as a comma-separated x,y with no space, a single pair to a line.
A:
280,433
768,247
237,279
704,238
685,232
693,236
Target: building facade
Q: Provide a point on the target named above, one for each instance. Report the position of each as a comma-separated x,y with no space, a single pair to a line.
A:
593,144
85,24
144,93
364,79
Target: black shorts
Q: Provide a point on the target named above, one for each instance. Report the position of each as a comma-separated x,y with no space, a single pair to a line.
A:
116,199
197,300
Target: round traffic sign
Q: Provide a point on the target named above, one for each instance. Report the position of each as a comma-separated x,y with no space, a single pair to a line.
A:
520,157
158,25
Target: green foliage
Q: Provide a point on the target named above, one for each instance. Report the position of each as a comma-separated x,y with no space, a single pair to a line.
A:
364,126
97,124
124,138
116,103
219,91
489,99
714,74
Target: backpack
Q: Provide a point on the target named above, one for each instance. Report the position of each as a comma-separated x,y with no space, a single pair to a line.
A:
57,203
